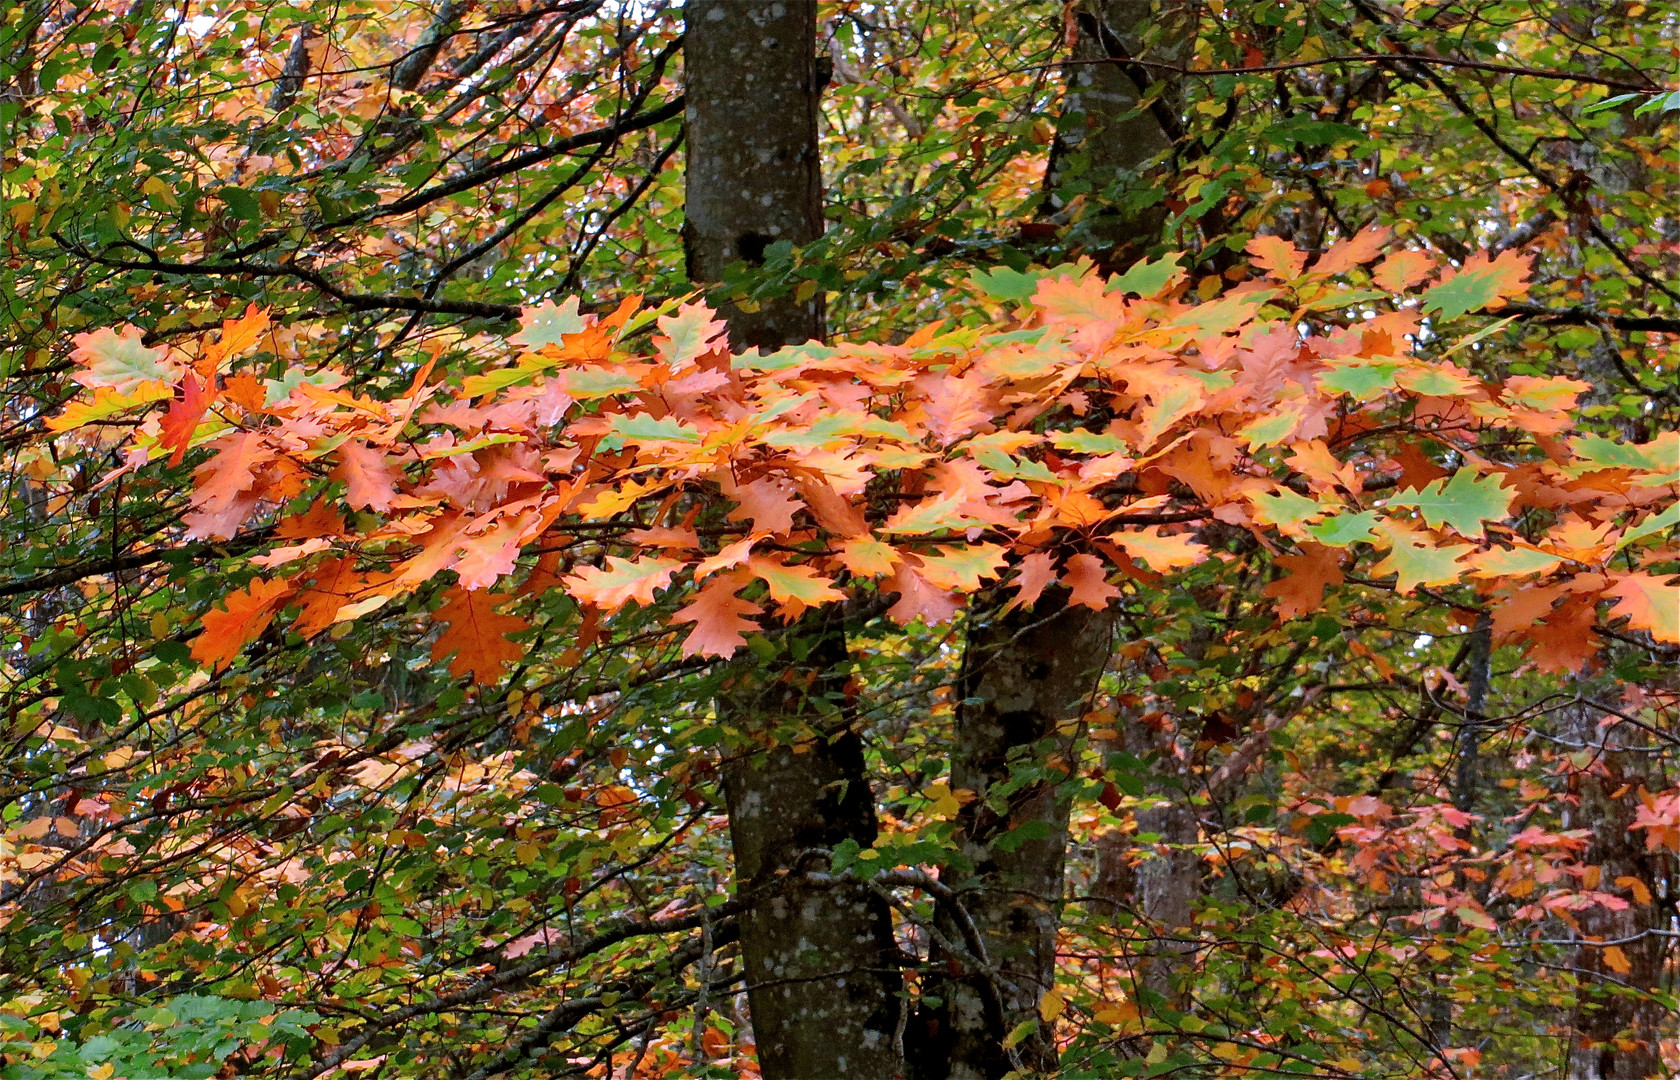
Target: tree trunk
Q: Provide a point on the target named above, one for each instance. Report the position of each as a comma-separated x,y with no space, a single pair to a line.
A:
1097,179
1029,663
1617,1019
822,971
821,964
1024,675
753,172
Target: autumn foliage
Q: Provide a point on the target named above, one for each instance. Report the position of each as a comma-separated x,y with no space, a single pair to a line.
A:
1101,432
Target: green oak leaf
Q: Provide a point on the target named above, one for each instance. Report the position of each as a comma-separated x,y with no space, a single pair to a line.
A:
1345,529
1464,502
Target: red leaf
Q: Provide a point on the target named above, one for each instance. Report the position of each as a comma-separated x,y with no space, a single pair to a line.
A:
181,421
247,613
477,634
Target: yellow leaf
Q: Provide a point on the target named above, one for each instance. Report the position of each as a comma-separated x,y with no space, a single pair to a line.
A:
1051,1005
1021,1031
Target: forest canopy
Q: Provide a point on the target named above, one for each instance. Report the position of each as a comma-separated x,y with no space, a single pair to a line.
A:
835,539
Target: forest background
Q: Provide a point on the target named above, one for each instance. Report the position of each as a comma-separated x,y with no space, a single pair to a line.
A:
1155,561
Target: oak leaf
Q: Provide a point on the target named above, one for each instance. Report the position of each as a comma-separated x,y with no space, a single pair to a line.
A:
477,634
919,599
868,558
105,404
244,615
1464,501
962,568
1032,576
1160,551
120,360
720,618
1479,283
768,502
1401,270
1302,579
369,475
1649,602
1356,250
548,324
220,483
239,334
1416,559
795,584
621,580
180,423
690,333
1086,579
1277,256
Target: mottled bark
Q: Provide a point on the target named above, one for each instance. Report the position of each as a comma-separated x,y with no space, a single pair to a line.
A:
1118,120
1616,1021
1098,177
290,83
822,970
753,172
1025,674
821,965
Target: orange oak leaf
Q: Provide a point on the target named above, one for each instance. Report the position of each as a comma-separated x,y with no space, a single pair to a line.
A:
919,599
1086,579
245,614
1277,256
1649,602
1299,588
1035,572
1356,250
1401,270
327,588
1514,612
719,617
369,475
767,502
319,520
239,334
622,580
220,484
246,391
477,634
1564,640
